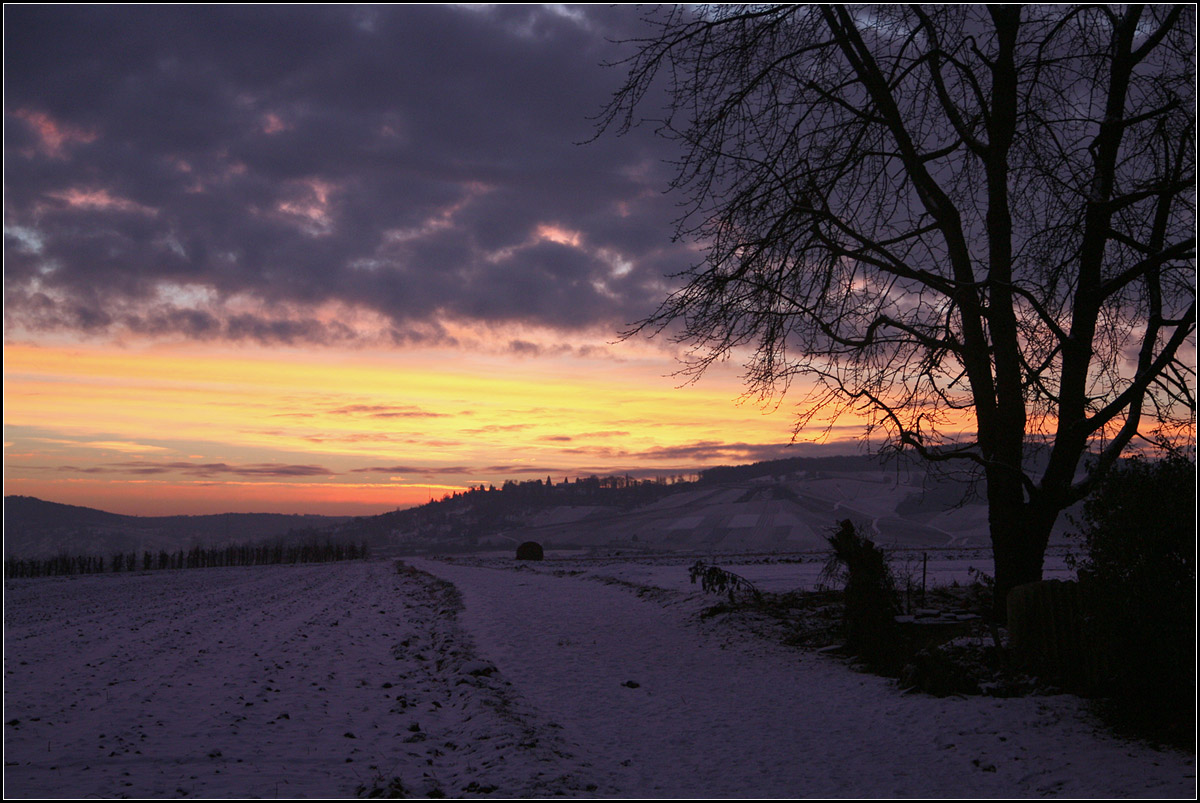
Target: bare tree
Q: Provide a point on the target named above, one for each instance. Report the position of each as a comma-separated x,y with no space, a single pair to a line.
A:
949,220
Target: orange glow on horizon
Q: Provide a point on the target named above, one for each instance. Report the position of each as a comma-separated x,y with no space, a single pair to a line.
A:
140,498
206,429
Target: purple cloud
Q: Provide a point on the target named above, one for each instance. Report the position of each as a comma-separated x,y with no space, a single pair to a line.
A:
223,172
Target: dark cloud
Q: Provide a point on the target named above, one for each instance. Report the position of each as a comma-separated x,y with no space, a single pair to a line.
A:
510,471
524,348
149,467
707,451
423,471
704,453
74,469
378,438
370,411
386,411
212,469
221,172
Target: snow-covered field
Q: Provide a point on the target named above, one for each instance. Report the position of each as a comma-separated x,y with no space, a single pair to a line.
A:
478,678
774,572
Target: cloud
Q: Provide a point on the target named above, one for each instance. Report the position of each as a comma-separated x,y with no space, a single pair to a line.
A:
419,167
704,453
386,411
108,445
708,451
494,428
511,470
52,138
424,471
148,467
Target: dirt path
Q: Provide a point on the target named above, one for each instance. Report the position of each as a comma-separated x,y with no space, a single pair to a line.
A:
676,707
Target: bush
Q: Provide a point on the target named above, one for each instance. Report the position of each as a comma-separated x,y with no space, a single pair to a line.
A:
715,580
530,550
871,603
1138,579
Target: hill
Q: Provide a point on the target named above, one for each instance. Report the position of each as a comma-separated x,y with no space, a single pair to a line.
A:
779,505
35,528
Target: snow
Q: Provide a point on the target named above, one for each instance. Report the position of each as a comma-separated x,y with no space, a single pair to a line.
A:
258,682
775,572
573,676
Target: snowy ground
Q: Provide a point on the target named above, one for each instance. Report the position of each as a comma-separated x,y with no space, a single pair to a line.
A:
775,572
571,679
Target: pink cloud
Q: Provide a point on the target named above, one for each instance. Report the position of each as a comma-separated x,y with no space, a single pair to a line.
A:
100,199
273,124
54,136
310,204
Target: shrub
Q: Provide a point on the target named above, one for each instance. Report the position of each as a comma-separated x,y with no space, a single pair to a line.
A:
715,580
871,603
530,550
1138,579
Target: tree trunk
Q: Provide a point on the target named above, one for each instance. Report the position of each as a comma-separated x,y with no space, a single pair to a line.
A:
1020,531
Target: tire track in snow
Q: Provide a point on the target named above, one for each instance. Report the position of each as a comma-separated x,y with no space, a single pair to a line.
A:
259,682
676,707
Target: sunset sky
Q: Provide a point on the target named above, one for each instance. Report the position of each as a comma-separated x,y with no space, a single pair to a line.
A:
338,260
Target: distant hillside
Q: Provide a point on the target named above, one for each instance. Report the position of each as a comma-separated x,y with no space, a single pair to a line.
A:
36,528
791,465
778,505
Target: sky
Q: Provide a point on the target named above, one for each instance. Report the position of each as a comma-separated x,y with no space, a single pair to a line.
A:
338,260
